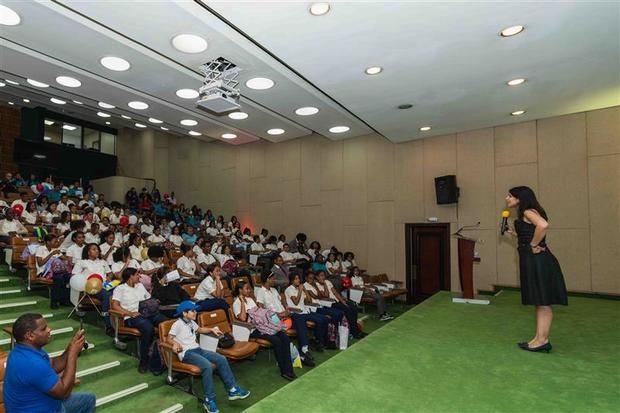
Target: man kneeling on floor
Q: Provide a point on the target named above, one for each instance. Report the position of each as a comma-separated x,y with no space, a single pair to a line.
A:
182,337
33,382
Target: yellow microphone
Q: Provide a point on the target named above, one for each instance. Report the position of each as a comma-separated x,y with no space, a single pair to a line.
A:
504,224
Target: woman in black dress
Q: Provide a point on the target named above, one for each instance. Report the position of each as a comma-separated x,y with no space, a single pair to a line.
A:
542,282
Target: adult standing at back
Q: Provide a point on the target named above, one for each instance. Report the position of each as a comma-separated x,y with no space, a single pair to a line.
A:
33,382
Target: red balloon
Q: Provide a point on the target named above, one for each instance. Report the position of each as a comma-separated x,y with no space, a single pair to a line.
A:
346,282
40,188
95,276
18,209
124,220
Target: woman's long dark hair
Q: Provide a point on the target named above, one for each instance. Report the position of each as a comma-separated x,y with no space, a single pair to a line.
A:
527,200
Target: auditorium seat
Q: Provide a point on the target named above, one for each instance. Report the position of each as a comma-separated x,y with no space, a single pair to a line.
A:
190,289
241,349
120,329
33,278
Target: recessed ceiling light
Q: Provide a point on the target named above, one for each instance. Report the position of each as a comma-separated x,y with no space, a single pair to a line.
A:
163,128
229,136
259,83
238,115
187,93
188,122
125,117
518,112
36,83
107,123
2,84
515,82
12,82
49,122
193,133
58,101
8,17
319,9
106,105
139,125
307,111
374,70
153,120
339,129
69,127
189,43
68,81
511,31
138,105
26,100
77,102
425,128
405,106
39,156
47,138
103,114
11,103
115,63
275,131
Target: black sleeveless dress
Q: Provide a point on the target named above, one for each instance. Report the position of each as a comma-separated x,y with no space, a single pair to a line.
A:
542,282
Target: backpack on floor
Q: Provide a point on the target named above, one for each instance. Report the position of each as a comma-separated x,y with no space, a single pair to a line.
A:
156,361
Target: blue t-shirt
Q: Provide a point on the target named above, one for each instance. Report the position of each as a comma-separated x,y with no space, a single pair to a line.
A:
318,266
190,239
29,376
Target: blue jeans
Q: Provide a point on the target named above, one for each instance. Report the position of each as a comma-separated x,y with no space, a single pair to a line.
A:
203,359
320,331
78,403
104,296
146,326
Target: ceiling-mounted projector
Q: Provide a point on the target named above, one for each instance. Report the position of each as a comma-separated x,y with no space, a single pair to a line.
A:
219,93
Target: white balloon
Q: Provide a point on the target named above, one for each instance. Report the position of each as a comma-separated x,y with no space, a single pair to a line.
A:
78,282
172,224
133,219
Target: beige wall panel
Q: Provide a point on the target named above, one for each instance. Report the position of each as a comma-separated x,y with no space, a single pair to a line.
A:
515,144
476,178
161,139
242,179
309,222
291,198
380,172
283,160
257,159
331,218
409,182
603,131
223,155
507,177
331,165
439,160
562,170
354,204
311,171
194,178
161,170
381,237
356,240
507,262
604,186
271,218
572,249
205,154
227,191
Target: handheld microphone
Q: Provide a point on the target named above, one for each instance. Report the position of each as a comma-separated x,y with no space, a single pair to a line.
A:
504,224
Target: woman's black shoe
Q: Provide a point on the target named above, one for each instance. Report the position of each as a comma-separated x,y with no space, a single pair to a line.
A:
545,347
307,362
288,376
522,344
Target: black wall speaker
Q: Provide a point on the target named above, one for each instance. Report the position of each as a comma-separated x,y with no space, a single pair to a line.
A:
446,190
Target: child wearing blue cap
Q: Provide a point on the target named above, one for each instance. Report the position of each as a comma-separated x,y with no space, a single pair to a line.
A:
182,337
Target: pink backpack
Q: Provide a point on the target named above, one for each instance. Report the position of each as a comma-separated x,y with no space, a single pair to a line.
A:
263,320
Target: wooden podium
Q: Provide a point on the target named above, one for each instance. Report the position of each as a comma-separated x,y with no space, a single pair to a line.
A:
466,271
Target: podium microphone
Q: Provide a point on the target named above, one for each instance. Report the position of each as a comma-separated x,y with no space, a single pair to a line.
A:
504,224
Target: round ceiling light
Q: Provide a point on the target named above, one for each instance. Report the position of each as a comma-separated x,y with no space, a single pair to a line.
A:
511,31
275,131
189,43
307,111
518,112
103,114
138,105
125,117
26,100
139,125
339,129
163,128
57,101
68,81
8,17
425,128
153,120
12,82
238,115
194,133
11,103
229,136
319,9
106,105
107,123
188,122
515,82
47,138
2,84
36,83
259,83
77,102
117,64
373,70
187,93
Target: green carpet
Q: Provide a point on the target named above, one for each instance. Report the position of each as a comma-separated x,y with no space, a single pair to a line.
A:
444,357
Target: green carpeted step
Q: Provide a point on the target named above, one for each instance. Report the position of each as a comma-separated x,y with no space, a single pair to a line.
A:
155,400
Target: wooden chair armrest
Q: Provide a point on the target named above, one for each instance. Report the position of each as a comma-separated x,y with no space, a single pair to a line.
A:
115,313
243,324
167,347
